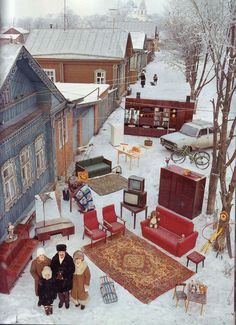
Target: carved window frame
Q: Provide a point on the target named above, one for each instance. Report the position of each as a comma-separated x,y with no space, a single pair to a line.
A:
40,155
26,167
10,184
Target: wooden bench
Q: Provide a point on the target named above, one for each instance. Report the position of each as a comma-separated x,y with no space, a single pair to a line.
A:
14,257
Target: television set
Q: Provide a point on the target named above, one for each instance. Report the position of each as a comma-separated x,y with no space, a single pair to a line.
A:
135,198
136,183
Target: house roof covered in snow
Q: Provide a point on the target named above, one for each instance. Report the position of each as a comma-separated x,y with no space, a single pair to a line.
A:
77,91
8,55
78,43
148,27
9,36
138,40
17,29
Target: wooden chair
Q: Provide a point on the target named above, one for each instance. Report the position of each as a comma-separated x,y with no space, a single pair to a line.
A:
110,220
92,228
179,293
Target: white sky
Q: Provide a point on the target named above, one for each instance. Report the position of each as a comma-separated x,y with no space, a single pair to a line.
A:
20,8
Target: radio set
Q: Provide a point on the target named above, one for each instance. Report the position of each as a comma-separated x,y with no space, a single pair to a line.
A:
135,194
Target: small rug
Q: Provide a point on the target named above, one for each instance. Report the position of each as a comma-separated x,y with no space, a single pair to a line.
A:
108,184
136,265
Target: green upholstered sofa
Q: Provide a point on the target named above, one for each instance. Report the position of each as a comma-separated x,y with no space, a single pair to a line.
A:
94,166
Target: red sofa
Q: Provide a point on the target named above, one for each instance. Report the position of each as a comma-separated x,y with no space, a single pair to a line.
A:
169,235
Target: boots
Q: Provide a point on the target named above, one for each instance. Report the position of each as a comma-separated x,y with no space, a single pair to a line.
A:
47,310
51,309
82,307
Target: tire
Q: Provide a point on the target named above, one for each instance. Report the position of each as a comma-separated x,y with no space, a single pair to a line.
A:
202,159
177,157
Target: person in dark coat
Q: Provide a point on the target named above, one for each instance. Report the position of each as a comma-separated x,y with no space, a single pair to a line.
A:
47,290
143,79
63,269
155,78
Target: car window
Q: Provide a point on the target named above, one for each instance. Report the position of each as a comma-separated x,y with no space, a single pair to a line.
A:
203,132
189,130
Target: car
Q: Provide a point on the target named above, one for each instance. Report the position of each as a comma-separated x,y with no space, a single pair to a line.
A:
197,134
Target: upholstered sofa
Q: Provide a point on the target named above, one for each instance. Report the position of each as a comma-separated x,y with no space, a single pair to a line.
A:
94,166
175,233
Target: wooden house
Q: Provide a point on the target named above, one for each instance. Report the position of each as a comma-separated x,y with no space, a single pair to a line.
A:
92,104
21,33
30,109
100,56
139,59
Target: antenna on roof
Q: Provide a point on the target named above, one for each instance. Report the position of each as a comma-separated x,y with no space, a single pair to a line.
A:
64,14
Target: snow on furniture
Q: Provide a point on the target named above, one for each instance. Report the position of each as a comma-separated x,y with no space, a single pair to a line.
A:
96,166
175,234
14,257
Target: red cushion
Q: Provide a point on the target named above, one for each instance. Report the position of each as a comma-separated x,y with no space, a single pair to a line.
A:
164,238
116,227
109,213
98,233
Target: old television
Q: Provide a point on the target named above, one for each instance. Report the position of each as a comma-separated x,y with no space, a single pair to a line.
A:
136,183
134,198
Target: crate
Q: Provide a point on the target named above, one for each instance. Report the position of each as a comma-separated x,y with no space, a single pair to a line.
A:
108,290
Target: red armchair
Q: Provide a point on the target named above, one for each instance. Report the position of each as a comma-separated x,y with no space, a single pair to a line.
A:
110,220
92,228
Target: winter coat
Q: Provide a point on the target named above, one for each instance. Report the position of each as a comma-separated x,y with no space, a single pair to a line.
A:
81,281
47,291
143,79
36,270
65,270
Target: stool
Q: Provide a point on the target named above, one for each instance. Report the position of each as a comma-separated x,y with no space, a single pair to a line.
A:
196,258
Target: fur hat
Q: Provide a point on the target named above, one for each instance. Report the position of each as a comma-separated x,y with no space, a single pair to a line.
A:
46,270
61,248
40,251
78,255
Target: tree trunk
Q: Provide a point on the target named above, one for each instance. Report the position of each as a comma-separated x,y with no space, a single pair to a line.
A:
213,182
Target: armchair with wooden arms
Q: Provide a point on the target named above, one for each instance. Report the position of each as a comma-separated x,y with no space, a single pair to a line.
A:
92,228
110,220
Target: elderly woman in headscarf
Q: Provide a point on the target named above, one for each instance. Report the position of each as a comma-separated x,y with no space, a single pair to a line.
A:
81,281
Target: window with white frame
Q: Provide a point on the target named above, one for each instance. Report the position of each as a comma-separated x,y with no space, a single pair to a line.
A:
26,167
51,74
100,77
9,181
62,131
40,155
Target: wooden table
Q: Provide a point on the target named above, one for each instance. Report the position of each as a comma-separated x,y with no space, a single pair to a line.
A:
54,227
134,210
128,152
195,297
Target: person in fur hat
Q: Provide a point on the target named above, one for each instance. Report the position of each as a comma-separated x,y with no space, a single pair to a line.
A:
63,269
81,281
37,266
47,290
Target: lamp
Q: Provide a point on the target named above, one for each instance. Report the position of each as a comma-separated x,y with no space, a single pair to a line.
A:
167,159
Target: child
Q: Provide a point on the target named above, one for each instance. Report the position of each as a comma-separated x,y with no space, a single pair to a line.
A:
47,290
81,281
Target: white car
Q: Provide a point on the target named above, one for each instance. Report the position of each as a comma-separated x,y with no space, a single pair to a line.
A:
197,134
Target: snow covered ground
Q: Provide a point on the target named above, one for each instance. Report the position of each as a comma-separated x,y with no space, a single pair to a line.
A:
21,305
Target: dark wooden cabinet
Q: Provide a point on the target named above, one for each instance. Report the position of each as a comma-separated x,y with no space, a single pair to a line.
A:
149,117
180,193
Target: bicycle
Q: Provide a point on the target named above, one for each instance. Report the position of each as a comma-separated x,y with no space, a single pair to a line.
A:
200,158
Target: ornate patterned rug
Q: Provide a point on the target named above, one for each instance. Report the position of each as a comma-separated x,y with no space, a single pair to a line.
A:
136,265
108,184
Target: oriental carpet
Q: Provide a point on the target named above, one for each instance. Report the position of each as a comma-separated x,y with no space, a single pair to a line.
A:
107,184
138,266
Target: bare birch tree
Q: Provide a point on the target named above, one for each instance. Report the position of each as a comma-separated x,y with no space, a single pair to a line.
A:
185,45
219,30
